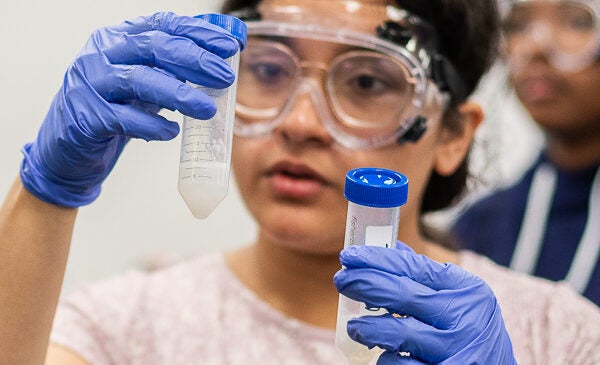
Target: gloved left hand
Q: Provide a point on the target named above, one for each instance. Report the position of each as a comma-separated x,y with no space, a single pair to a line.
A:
112,92
438,313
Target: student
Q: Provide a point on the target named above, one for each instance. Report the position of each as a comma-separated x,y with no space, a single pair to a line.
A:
548,222
324,87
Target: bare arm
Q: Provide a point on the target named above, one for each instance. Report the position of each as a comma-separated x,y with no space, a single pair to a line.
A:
34,244
58,355
85,130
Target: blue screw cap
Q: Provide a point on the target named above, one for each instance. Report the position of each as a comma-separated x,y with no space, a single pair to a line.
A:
376,187
233,25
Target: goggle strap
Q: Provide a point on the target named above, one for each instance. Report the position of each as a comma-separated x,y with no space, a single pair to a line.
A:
416,130
447,79
248,13
394,32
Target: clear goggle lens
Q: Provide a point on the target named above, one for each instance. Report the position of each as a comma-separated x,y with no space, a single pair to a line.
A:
567,31
365,89
364,97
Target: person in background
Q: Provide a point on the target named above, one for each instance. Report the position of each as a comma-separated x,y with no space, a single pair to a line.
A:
547,223
324,86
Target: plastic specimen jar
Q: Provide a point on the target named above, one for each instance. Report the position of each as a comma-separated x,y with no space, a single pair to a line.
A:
205,158
374,199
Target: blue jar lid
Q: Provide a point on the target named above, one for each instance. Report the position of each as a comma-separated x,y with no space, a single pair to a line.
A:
233,25
375,187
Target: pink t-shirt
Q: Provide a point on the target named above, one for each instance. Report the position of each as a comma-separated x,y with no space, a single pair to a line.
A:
198,312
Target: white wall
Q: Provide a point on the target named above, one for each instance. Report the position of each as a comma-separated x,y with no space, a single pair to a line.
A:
140,211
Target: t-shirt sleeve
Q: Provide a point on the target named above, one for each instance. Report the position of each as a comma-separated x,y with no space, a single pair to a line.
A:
573,328
548,322
92,322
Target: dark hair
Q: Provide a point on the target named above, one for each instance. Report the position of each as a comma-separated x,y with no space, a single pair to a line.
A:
468,32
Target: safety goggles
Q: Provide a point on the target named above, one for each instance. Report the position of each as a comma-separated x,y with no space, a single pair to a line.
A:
377,89
567,32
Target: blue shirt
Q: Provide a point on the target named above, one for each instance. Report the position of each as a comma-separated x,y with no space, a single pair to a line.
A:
491,226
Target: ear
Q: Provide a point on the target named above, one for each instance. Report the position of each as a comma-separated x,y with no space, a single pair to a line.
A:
454,144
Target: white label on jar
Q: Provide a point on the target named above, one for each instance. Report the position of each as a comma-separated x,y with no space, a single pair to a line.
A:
378,236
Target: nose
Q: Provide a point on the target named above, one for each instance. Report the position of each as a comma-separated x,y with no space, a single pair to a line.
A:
537,41
535,46
303,123
541,37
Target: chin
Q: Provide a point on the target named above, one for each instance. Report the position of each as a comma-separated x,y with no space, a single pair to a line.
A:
307,249
305,237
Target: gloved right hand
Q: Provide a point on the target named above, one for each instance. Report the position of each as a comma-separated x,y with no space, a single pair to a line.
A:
437,313
123,76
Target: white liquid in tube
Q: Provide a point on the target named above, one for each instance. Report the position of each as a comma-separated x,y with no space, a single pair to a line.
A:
205,157
203,188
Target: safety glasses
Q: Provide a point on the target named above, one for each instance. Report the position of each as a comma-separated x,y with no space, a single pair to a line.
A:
566,32
367,96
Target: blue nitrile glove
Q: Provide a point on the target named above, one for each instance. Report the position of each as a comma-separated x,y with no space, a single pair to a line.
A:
448,316
123,76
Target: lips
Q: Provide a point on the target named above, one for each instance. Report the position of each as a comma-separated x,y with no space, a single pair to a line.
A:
536,85
295,180
537,89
